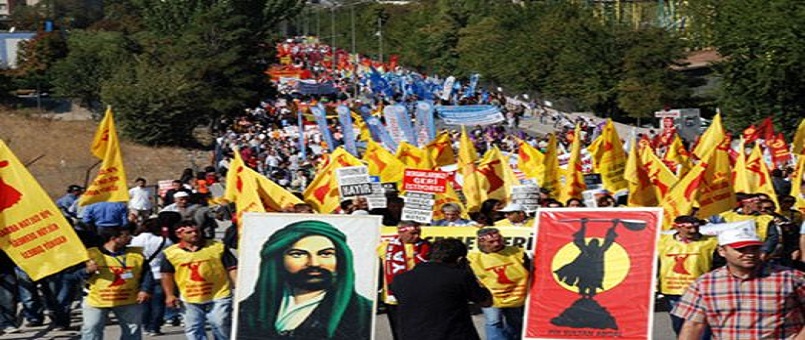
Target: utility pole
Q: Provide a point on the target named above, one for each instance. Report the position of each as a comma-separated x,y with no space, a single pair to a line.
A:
352,23
380,37
332,32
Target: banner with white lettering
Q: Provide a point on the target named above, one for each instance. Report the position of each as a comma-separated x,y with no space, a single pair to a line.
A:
526,195
353,181
470,114
418,207
429,181
345,118
425,128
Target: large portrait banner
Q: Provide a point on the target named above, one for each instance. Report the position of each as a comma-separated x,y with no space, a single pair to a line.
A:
306,276
594,274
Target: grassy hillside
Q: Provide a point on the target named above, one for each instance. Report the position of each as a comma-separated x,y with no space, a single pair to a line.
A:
58,151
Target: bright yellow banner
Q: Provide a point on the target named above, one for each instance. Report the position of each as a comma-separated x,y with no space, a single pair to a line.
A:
381,162
573,184
512,236
609,158
33,232
110,183
466,164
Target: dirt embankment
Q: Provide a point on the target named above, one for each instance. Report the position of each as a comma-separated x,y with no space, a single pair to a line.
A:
58,152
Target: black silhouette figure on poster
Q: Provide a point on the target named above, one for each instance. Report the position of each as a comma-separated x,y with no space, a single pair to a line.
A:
586,272
9,196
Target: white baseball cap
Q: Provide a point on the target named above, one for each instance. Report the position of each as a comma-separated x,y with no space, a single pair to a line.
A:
739,237
512,207
180,194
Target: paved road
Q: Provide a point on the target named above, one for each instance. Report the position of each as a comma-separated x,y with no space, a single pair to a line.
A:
662,330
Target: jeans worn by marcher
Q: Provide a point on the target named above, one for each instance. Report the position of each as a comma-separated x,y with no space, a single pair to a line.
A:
217,312
61,292
503,323
8,298
32,308
129,318
154,310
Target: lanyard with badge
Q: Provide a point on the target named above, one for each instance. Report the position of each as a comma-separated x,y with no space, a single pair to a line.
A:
127,274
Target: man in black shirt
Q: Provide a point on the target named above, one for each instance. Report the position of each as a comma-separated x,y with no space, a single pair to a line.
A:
433,296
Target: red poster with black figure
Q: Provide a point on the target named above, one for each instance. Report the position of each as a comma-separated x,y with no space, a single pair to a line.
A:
593,274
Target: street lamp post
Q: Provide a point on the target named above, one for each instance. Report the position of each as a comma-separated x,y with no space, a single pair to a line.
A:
380,37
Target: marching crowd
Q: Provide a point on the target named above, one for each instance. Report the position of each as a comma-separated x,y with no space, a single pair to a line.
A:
737,285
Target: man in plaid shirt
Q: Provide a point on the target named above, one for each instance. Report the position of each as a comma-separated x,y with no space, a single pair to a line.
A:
746,299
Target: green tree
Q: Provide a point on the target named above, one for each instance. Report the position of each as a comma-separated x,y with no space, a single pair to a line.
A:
649,82
35,57
155,104
763,70
93,57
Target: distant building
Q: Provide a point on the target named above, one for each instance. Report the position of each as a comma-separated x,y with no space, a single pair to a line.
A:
9,45
7,7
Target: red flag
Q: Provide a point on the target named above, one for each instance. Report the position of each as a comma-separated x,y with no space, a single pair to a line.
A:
393,62
766,129
751,134
778,150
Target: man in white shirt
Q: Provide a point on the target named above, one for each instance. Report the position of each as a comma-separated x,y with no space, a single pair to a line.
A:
153,243
140,200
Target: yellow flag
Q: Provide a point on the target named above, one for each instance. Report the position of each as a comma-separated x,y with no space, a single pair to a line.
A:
413,157
448,196
440,150
740,176
495,176
365,134
467,155
322,193
382,163
573,184
110,183
246,197
232,176
757,175
530,161
798,144
677,157
716,193
609,158
509,177
641,192
710,139
33,232
680,199
550,178
661,178
273,196
796,183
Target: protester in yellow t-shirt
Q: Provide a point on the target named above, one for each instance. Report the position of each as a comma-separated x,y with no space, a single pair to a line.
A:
684,256
504,271
119,281
204,272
